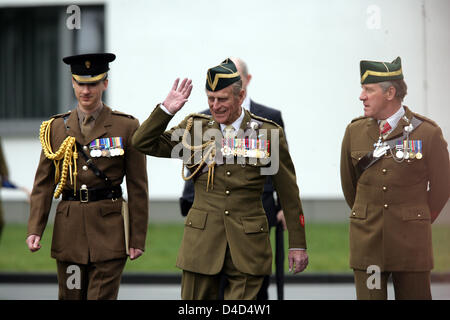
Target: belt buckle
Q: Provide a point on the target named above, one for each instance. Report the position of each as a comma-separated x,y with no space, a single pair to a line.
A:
84,194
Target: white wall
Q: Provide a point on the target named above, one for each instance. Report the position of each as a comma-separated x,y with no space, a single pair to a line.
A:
304,57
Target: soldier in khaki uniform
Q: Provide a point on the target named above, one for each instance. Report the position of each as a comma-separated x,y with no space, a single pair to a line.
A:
395,178
86,154
226,230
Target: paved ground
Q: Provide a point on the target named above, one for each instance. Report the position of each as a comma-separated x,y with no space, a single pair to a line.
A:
12,291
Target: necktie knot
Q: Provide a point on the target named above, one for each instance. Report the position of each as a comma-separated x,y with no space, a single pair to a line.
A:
87,119
229,132
87,125
384,128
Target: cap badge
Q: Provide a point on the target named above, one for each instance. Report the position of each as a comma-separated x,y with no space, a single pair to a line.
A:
87,63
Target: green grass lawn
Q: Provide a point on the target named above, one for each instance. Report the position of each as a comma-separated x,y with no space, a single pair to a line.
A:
327,249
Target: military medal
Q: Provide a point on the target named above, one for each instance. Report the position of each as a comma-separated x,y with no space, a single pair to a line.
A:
248,148
419,149
411,149
380,148
405,150
107,147
398,150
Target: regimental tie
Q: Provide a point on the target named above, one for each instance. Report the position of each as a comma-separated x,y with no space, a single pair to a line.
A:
87,125
229,132
384,128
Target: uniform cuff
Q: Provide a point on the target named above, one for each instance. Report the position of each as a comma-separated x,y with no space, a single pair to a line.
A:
165,109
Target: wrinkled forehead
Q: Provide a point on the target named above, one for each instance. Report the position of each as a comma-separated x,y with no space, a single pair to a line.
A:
223,93
372,86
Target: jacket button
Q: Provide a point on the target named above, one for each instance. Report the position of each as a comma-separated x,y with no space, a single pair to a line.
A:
227,212
85,148
262,229
386,206
419,215
85,168
384,171
384,188
228,173
227,192
354,213
190,223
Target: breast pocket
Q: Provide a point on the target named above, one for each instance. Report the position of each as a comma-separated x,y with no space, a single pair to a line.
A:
357,155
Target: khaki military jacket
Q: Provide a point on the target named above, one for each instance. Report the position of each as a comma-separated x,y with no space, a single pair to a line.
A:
93,231
231,214
391,202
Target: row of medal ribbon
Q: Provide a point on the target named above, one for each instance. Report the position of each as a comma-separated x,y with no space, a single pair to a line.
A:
245,147
409,149
106,147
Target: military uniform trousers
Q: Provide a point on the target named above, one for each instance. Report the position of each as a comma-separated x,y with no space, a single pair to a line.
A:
92,281
240,286
407,285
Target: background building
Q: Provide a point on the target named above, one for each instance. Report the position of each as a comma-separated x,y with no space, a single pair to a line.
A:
304,56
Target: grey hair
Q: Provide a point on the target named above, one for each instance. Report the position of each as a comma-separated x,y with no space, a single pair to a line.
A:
236,87
401,89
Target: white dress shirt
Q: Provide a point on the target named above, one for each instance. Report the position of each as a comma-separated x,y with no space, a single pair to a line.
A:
395,118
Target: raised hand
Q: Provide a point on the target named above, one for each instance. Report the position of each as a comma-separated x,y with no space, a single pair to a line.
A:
178,96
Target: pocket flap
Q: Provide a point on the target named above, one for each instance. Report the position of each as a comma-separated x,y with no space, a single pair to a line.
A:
196,219
359,212
416,213
357,155
255,224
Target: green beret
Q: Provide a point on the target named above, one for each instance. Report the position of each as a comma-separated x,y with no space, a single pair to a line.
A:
89,68
374,71
222,76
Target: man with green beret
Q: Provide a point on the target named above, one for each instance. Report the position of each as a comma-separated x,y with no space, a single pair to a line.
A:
86,155
229,153
395,178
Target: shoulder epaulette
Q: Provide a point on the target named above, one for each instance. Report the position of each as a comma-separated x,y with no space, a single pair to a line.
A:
199,115
61,115
254,116
423,118
359,118
119,113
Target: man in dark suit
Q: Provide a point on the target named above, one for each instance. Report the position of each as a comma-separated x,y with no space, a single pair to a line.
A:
271,205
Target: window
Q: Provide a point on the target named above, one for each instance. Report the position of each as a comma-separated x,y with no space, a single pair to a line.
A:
34,82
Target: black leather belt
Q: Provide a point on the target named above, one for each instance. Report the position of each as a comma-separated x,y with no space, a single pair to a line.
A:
89,195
